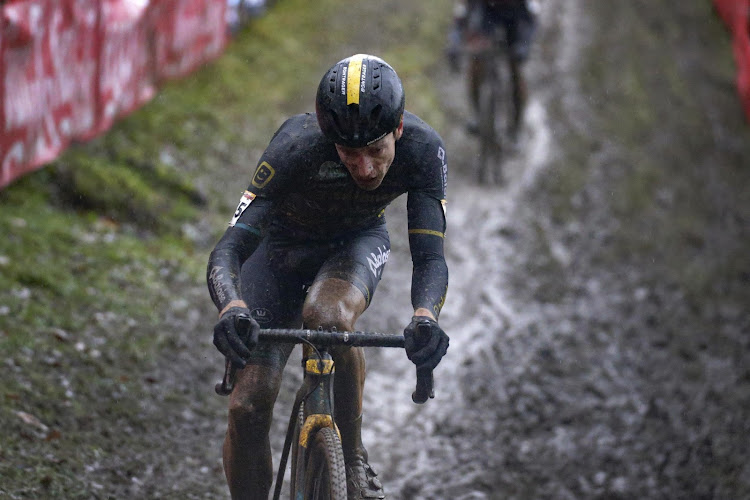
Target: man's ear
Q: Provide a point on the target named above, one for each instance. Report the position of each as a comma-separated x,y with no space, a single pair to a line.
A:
400,129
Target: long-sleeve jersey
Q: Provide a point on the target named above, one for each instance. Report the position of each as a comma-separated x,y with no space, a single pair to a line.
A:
302,191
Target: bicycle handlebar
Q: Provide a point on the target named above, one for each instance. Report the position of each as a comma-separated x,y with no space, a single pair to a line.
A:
331,338
424,389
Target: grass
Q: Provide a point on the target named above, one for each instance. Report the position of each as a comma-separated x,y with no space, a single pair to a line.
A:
98,245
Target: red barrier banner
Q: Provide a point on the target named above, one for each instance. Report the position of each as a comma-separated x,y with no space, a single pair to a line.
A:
187,34
48,56
126,76
70,68
736,15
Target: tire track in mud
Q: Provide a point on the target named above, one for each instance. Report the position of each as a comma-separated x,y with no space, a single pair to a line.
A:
479,240
411,445
408,444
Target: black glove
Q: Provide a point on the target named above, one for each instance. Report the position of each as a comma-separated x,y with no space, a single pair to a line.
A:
231,339
425,342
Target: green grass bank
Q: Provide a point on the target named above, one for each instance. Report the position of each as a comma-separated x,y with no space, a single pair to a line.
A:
101,247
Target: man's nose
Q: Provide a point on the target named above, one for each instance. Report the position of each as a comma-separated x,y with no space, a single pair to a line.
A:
362,166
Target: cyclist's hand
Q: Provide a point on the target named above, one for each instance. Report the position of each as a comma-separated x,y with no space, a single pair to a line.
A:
230,340
425,352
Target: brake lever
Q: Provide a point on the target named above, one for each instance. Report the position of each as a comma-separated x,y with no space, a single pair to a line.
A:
425,384
225,387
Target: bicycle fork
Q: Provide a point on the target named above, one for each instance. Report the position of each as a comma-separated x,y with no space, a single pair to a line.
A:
315,398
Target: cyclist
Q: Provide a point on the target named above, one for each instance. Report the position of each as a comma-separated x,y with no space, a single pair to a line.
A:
307,245
474,22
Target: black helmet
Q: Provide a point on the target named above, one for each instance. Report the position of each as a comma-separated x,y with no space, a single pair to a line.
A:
360,100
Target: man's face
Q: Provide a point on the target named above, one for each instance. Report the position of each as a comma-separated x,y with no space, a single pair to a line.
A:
368,165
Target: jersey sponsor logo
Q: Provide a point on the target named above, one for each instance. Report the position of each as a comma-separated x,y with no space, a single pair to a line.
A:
377,261
263,175
331,170
262,315
216,277
441,157
247,198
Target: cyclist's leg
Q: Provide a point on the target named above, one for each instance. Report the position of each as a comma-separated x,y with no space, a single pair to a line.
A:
520,29
478,26
274,302
473,72
340,293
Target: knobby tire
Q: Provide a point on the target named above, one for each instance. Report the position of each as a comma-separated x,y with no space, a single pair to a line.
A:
325,476
296,450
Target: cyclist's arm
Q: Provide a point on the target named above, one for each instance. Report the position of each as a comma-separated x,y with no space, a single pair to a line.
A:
426,213
236,245
430,272
253,213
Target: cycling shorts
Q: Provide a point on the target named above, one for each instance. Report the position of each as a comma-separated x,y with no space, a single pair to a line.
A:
276,277
520,27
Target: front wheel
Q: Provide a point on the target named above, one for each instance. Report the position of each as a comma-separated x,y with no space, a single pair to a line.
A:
325,477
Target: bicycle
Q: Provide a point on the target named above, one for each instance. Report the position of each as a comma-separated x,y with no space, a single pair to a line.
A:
495,106
318,471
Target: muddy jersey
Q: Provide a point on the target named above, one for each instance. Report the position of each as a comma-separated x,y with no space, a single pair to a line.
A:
301,191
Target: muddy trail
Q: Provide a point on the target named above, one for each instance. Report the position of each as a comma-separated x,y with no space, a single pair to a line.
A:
580,365
578,369
597,305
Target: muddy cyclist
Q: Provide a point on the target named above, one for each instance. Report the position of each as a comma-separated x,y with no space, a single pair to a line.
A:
307,246
474,22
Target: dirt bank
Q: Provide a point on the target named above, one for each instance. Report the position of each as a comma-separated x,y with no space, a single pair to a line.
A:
597,306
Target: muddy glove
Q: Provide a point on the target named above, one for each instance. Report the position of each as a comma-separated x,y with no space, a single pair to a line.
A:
231,339
423,350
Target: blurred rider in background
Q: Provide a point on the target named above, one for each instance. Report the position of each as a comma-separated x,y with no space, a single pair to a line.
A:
307,246
475,21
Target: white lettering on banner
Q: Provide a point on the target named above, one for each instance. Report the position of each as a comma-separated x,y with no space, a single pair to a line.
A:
13,159
196,36
125,78
378,261
51,81
50,73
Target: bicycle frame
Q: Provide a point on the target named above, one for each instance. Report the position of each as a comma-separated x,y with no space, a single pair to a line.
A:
493,113
315,395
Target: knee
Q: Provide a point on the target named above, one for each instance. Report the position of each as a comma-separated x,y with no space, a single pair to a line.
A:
251,413
320,314
348,359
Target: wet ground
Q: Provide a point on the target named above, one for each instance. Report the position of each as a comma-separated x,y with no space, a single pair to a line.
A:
570,374
581,366
597,305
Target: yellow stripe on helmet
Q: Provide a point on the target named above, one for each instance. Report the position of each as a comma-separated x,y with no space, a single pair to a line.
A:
353,78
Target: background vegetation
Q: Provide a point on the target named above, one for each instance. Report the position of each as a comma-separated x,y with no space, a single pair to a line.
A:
99,246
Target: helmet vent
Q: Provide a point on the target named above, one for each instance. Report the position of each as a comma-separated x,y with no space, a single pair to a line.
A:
332,82
376,77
